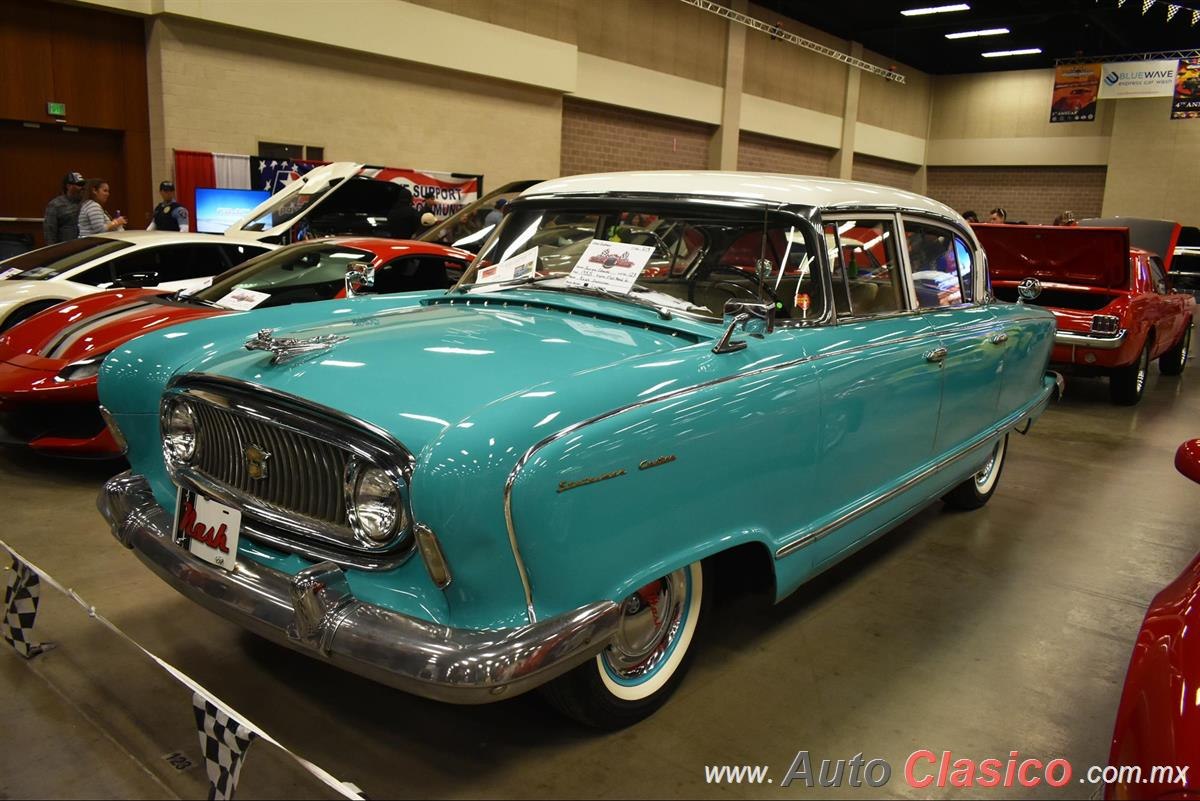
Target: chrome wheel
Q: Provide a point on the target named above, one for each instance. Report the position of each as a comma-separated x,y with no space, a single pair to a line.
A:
656,628
1143,370
985,479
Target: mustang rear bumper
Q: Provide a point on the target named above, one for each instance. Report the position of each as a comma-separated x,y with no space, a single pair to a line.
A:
315,613
1090,341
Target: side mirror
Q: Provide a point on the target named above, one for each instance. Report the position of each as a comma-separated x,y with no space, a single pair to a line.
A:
1029,289
134,280
359,281
755,319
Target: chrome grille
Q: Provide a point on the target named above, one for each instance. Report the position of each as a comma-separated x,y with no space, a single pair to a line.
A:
304,474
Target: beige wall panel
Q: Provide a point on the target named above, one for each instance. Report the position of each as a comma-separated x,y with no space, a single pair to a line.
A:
1033,194
224,90
888,144
885,172
902,107
758,153
773,118
1002,105
1019,151
1154,164
597,138
783,72
662,35
554,19
606,81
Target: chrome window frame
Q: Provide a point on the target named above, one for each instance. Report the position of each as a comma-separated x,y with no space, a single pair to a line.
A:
313,539
907,293
954,230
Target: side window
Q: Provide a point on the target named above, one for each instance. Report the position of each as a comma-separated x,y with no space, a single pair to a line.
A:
143,261
100,275
867,278
1159,275
184,262
236,254
933,254
966,269
412,273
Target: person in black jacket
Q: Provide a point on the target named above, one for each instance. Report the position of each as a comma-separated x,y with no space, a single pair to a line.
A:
403,220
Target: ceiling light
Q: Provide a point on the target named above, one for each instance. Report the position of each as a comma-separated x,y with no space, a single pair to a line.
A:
916,12
1029,51
973,34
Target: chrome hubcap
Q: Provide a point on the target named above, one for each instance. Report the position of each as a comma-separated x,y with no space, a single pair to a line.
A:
1143,366
650,622
985,473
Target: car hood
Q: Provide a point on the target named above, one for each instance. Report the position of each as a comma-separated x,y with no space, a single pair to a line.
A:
419,370
1157,236
1066,255
92,324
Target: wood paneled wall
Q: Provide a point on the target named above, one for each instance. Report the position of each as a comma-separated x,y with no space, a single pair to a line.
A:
95,63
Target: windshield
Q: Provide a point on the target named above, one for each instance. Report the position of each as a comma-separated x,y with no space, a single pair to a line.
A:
469,227
293,274
675,257
287,206
54,260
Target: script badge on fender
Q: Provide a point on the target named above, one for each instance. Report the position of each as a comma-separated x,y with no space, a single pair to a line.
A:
209,529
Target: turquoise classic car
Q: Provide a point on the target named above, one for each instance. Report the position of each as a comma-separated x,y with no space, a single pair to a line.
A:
525,481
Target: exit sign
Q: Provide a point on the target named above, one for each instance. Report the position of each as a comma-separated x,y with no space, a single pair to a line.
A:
56,109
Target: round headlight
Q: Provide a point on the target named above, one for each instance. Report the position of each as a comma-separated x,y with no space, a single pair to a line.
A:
179,432
376,504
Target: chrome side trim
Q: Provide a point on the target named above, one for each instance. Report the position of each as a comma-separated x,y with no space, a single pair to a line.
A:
313,612
1090,340
1011,421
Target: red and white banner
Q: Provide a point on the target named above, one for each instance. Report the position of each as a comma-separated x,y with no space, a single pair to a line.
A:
450,194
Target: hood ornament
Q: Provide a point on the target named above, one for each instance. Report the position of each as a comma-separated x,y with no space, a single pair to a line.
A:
284,349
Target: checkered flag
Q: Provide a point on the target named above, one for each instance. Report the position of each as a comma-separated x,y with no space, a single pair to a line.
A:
224,742
21,596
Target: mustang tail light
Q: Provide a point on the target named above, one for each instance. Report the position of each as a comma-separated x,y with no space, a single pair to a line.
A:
1105,324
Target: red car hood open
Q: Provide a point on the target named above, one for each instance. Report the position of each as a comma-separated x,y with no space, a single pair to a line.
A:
1096,257
91,325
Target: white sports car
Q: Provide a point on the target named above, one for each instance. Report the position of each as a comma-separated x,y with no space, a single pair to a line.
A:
164,259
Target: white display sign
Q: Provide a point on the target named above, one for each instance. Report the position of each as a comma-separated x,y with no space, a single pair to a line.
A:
10,271
1124,79
520,266
613,266
243,299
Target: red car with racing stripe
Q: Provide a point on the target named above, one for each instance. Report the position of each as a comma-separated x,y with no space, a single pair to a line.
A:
1114,305
49,363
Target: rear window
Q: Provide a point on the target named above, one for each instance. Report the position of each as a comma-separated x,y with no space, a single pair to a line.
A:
54,260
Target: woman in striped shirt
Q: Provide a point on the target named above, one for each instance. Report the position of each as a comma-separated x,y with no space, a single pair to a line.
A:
93,219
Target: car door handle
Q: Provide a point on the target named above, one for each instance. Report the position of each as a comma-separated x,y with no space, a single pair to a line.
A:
936,355
999,339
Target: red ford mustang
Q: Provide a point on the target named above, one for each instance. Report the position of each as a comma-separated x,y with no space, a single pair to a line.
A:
48,363
1158,721
1115,309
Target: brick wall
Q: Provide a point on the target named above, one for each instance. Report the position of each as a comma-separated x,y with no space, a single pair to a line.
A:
884,171
760,153
599,138
1033,194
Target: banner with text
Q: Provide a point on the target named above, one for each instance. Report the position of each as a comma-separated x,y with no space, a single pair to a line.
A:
1125,79
450,194
1076,88
1186,105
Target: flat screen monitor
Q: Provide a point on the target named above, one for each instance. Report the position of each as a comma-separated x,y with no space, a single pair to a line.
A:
217,209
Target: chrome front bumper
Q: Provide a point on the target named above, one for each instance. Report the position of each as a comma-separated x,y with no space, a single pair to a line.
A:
1089,341
315,613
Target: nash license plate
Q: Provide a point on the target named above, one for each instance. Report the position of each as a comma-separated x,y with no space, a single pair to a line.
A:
209,529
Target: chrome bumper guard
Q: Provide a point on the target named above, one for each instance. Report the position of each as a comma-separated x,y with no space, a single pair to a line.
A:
315,613
1090,340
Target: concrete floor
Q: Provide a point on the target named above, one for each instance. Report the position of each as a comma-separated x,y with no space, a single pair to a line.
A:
1004,629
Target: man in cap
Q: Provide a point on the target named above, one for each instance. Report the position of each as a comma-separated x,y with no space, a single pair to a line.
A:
168,215
60,221
496,214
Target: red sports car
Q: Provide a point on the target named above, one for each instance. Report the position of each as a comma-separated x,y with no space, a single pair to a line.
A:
1158,721
48,363
1114,305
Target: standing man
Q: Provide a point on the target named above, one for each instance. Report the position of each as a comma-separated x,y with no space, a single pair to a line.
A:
168,215
403,220
60,221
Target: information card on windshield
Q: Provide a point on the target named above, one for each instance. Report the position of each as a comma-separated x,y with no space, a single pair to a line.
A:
520,266
613,266
243,299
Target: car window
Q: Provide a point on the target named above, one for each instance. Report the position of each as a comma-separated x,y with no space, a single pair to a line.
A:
412,273
185,262
140,262
48,262
966,269
867,279
933,255
1159,275
294,274
236,254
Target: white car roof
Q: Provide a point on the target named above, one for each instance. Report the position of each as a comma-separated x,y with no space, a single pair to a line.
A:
800,190
147,238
